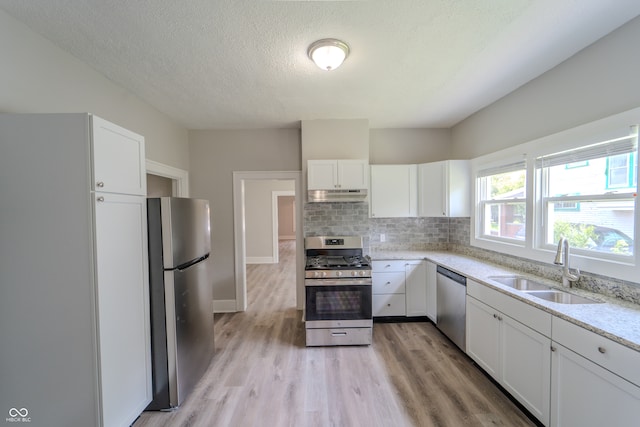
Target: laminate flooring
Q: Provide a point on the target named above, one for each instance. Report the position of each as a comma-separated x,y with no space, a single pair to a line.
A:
262,374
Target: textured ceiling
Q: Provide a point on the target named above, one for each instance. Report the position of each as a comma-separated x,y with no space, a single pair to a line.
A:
224,64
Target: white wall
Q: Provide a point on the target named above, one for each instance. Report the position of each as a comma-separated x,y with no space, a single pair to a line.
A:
214,156
38,77
409,146
597,82
258,196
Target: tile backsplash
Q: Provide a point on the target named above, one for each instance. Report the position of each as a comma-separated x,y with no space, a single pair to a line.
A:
452,234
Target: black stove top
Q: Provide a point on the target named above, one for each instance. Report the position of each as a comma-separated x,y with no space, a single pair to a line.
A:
334,262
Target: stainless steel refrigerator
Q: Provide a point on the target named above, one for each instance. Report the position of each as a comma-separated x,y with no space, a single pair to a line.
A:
181,297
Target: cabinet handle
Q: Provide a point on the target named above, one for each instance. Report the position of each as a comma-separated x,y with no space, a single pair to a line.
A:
100,199
495,316
100,184
500,318
388,305
387,266
338,334
388,283
553,348
602,350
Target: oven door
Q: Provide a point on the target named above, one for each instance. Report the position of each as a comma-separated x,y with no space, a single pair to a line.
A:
338,303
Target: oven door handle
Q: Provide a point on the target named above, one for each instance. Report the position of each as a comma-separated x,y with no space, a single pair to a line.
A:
337,282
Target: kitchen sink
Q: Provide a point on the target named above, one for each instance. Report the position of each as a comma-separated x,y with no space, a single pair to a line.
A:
541,291
562,297
520,283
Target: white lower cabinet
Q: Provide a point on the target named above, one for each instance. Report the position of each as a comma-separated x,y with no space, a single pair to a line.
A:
431,289
592,391
416,288
388,288
515,355
399,288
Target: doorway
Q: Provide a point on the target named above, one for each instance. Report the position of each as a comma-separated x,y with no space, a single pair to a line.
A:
165,180
241,181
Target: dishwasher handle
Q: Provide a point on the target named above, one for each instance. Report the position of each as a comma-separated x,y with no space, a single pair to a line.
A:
458,278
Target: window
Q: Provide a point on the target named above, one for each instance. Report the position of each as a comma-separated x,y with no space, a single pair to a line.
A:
621,171
502,202
580,183
600,220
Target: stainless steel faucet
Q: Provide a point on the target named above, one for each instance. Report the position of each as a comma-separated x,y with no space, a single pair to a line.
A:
562,258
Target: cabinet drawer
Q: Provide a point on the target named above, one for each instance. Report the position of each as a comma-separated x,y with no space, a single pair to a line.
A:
617,358
387,265
529,315
389,305
388,283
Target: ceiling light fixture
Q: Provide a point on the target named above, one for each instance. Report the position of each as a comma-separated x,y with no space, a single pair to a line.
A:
328,54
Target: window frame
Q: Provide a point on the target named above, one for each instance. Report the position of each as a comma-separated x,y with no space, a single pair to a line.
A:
482,184
612,265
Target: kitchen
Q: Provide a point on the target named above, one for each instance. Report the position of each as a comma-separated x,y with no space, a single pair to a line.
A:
557,100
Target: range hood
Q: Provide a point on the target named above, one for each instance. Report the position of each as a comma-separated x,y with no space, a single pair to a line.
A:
327,196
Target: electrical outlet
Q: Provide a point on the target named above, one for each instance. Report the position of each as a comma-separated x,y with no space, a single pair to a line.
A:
383,237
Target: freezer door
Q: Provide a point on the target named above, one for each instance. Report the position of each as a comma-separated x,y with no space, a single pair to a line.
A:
189,321
186,233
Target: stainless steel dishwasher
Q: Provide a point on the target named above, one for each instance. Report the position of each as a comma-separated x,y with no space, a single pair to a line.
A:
451,310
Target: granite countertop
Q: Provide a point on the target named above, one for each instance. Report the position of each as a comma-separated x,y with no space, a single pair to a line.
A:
615,319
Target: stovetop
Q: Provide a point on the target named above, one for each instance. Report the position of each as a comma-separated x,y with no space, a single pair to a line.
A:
333,257
326,262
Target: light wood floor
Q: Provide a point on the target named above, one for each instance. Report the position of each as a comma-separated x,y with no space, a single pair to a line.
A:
263,375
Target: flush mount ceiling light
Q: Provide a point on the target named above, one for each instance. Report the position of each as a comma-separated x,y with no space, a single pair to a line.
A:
328,54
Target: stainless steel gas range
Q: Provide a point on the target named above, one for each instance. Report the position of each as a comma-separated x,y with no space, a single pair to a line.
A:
338,307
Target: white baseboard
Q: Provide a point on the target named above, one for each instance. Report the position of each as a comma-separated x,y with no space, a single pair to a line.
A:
260,260
286,237
224,306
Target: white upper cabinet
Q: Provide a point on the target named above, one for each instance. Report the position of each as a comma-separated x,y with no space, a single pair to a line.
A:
337,174
393,191
118,159
443,189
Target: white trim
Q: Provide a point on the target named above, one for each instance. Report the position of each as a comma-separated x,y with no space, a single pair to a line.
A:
628,269
224,306
179,177
261,260
239,232
274,221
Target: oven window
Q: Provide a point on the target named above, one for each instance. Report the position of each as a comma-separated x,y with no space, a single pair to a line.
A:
338,302
347,302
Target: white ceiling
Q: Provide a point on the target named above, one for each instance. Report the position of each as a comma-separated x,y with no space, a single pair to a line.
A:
224,64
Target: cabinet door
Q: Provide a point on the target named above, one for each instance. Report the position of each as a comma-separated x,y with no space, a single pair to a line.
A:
389,305
416,288
118,159
322,174
391,282
443,189
483,336
432,296
458,185
393,191
526,366
353,174
431,184
123,307
586,395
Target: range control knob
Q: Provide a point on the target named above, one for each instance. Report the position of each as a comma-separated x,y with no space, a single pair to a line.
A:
354,273
338,273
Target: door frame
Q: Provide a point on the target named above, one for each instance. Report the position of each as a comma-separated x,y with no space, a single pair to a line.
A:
179,177
240,237
275,212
